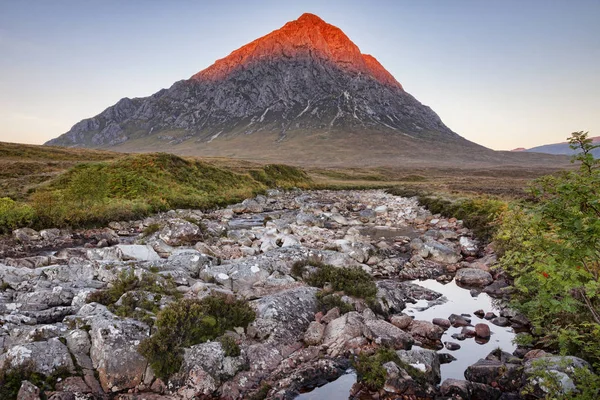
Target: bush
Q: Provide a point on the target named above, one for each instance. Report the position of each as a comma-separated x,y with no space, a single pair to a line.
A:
551,249
14,215
188,322
12,378
352,281
127,282
230,346
327,301
372,374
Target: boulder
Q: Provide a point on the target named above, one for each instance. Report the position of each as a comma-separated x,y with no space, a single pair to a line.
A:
441,253
385,334
28,391
552,372
43,357
138,252
177,232
468,247
473,277
314,334
426,361
284,317
506,376
482,331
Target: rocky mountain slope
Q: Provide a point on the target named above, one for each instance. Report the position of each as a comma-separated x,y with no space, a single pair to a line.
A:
303,93
559,148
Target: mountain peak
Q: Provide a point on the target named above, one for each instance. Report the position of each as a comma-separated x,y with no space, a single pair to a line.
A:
308,37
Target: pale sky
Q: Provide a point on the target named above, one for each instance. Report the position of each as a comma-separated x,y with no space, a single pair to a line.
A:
504,74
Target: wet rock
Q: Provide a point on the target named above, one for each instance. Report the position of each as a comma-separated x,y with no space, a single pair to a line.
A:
442,323
479,313
498,288
482,331
500,321
446,358
426,332
489,315
393,295
465,390
452,346
458,320
506,376
473,277
314,334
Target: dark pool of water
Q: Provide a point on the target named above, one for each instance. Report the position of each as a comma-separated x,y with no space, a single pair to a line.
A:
460,301
336,390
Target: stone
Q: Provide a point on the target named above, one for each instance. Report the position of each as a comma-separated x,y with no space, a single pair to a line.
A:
28,391
473,277
401,321
331,315
43,357
284,316
113,351
442,323
105,254
178,232
25,235
482,331
506,376
465,390
426,332
452,346
138,252
458,320
385,334
468,247
500,321
441,253
424,360
314,334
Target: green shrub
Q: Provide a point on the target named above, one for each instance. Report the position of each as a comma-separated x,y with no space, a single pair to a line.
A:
188,322
14,215
352,281
151,229
127,281
327,301
230,346
12,378
372,374
550,247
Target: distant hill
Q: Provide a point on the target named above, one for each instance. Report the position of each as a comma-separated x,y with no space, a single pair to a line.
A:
559,148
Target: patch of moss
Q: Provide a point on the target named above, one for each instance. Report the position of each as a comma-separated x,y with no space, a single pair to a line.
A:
352,281
230,346
327,301
187,322
372,374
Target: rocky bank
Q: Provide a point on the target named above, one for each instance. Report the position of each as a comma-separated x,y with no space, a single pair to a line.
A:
48,323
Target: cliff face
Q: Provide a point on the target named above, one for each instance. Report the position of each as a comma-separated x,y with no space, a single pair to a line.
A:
306,78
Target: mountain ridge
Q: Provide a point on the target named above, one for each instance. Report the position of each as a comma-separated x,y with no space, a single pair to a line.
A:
303,86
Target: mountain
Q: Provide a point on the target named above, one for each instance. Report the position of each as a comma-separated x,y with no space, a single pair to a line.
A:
560,148
302,94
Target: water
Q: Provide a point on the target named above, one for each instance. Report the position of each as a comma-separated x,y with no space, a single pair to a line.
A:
335,390
459,302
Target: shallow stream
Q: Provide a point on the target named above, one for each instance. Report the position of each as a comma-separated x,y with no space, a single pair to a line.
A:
459,301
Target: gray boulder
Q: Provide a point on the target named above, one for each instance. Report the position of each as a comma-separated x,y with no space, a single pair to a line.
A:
473,277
